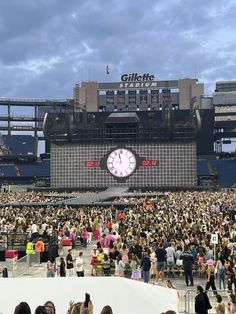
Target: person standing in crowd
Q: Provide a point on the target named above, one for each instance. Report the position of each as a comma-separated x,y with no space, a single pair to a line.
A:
108,239
135,268
179,262
34,231
220,267
72,236
62,267
39,248
220,307
5,272
124,252
70,264
96,229
146,265
137,250
94,260
202,304
106,265
85,238
51,268
161,258
29,251
188,262
153,270
201,263
211,276
170,259
30,247
79,264
119,266
231,275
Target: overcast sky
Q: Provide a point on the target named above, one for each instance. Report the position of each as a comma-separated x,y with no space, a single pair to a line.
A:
49,45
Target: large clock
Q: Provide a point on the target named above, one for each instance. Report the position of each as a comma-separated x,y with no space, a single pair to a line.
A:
121,162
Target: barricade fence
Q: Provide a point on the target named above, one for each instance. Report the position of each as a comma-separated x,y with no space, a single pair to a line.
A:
187,300
24,264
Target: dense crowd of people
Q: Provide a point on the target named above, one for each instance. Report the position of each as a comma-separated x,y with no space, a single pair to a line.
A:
34,197
154,236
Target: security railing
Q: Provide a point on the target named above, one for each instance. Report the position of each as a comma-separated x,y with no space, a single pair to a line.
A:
23,265
187,300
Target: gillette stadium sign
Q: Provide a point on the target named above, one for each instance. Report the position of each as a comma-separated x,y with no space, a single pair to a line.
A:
134,80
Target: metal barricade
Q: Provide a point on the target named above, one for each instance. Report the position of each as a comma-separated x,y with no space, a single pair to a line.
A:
35,258
187,300
24,264
21,267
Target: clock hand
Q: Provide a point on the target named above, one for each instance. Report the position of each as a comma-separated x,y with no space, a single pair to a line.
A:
120,158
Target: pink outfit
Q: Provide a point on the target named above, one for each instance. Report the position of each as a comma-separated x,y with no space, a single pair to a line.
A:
85,235
125,258
108,240
72,236
136,274
96,234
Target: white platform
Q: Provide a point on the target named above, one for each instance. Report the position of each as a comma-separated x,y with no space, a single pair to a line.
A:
125,296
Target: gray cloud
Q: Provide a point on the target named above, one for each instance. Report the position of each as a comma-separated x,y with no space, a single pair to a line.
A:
48,46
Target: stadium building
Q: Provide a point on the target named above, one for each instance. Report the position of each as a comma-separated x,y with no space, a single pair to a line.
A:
103,112
140,92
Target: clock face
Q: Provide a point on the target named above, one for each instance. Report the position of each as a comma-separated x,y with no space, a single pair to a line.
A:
121,162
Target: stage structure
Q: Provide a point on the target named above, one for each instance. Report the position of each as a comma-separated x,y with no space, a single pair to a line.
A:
135,149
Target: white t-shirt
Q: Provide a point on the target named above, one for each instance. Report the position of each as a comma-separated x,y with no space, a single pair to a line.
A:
79,264
34,228
170,254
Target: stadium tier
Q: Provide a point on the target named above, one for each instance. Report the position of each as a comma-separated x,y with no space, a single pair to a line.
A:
226,170
36,169
202,169
7,171
20,145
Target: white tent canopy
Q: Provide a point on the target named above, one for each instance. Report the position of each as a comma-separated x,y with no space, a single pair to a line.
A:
125,296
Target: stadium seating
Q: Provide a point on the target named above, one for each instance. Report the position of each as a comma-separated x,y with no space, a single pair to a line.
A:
7,171
21,144
202,168
35,169
226,170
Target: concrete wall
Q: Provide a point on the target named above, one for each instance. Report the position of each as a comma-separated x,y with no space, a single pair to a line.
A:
189,88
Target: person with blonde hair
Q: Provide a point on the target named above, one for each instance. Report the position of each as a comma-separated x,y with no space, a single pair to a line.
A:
211,276
74,308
